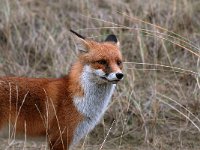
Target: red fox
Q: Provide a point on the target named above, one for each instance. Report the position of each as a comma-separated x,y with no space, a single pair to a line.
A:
64,109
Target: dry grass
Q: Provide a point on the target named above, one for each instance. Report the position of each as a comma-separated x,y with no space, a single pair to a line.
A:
157,105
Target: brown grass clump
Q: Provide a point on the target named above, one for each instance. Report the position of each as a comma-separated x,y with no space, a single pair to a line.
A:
157,105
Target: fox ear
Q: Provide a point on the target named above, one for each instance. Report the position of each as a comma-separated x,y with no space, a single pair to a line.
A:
81,43
112,38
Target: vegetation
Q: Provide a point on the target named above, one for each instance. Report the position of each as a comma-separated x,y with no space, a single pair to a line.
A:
157,104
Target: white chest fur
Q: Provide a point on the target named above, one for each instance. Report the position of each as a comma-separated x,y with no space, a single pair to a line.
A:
93,104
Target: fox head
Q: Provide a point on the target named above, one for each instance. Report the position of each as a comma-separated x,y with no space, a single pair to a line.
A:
103,60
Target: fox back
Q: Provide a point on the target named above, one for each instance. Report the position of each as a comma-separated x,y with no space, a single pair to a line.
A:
64,109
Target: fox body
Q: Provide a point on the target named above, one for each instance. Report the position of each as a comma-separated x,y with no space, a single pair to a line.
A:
64,109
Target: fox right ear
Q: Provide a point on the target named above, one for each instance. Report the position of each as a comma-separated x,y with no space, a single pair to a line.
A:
81,43
112,38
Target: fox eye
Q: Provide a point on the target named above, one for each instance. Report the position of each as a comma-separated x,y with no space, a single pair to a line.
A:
102,62
119,62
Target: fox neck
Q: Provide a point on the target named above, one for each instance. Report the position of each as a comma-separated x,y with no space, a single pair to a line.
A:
92,103
96,94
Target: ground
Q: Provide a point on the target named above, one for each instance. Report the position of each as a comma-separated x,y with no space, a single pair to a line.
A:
157,104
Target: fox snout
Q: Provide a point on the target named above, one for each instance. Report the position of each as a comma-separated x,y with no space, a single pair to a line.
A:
113,77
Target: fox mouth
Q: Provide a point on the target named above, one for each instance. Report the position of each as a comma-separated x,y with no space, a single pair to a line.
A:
111,81
112,77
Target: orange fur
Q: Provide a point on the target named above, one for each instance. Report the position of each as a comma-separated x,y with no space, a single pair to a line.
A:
44,107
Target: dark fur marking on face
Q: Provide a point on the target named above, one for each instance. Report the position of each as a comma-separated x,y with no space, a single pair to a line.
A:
111,38
80,36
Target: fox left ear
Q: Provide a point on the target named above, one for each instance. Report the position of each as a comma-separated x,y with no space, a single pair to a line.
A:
112,38
80,41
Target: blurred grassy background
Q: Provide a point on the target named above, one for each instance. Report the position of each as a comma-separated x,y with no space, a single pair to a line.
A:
157,104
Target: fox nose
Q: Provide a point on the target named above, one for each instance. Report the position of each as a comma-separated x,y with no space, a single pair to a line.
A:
119,75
